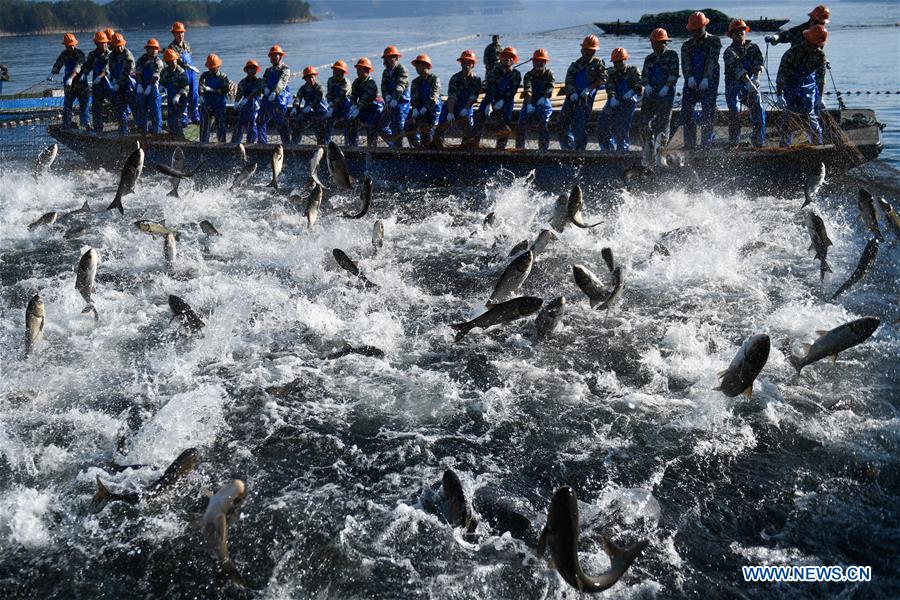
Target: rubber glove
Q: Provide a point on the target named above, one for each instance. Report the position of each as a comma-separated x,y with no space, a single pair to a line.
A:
139,89
691,82
704,84
266,92
69,81
272,97
820,105
613,102
574,97
450,117
779,102
50,76
488,109
177,98
529,109
771,39
354,112
393,103
663,91
585,92
498,105
648,91
307,109
629,95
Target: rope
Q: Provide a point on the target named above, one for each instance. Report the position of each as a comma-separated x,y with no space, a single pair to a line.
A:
837,93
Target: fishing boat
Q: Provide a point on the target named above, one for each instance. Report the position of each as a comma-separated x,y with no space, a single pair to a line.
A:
676,23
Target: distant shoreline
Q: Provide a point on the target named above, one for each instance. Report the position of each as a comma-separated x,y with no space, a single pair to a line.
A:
63,30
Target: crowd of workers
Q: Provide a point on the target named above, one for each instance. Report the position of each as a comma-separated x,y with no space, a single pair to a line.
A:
416,110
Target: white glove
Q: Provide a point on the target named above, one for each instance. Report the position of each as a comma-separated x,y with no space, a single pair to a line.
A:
529,109
266,92
354,112
663,91
69,81
307,109
779,102
704,84
820,105
272,97
574,97
648,90
177,98
329,112
771,39
629,95
416,113
388,98
393,103
148,90
750,88
50,76
691,82
488,109
450,117
139,89
613,102
498,105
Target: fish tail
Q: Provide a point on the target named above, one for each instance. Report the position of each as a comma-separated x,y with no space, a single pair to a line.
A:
461,330
796,362
100,499
273,184
368,283
623,556
117,204
230,569
173,193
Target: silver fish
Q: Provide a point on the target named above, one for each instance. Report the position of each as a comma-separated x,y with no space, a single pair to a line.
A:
518,248
223,510
560,219
814,181
866,262
350,266
542,241
866,205
607,255
177,165
378,235
738,378
675,236
314,165
615,292
835,341
366,197
85,209
277,163
590,284
511,310
169,250
85,273
512,278
45,160
550,317
131,172
208,228
313,201
337,167
181,309
819,241
560,536
890,216
34,323
575,206
45,219
242,153
178,173
244,175
154,228
180,468
489,220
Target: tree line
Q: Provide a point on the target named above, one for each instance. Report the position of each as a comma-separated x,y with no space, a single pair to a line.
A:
18,16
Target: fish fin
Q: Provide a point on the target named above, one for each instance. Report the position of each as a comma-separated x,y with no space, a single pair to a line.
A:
461,330
623,556
834,358
117,204
807,348
718,388
100,499
230,569
272,184
197,168
808,199
827,268
721,373
827,241
86,207
173,193
96,314
87,309
796,362
749,392
811,247
207,493
821,332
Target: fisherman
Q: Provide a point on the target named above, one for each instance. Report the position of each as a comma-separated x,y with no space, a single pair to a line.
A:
366,107
95,71
743,65
276,97
338,97
462,94
537,90
500,95
213,87
820,15
186,62
700,66
71,61
121,66
425,103
395,92
658,79
622,90
801,81
492,55
175,82
310,107
583,78
246,102
147,71
4,75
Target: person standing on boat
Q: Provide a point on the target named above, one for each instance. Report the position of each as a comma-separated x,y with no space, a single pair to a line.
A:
310,107
743,65
4,75
425,103
276,97
537,90
249,90
95,71
658,79
175,82
700,67
622,91
366,107
801,82
213,87
395,92
186,62
583,78
147,72
492,55
500,96
121,66
337,94
820,15
462,94
70,62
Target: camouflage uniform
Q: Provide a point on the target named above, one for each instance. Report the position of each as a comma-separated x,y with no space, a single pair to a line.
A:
491,57
363,96
147,70
537,88
175,82
121,66
310,109
186,62
72,60
584,77
614,123
801,78
425,96
394,91
463,93
699,63
337,94
275,81
740,61
660,74
247,97
213,92
501,86
94,71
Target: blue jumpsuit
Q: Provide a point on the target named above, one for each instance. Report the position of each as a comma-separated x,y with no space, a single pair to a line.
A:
97,64
175,82
364,94
337,96
310,108
425,95
801,77
121,65
249,89
740,61
71,61
149,105
659,70
614,123
276,80
212,105
539,88
186,62
700,60
502,84
465,90
575,115
395,86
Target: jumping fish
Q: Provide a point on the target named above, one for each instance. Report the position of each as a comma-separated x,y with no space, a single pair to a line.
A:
314,165
615,292
590,284
186,462
313,201
223,510
208,228
131,172
45,219
518,248
169,250
242,153
560,218
550,317
512,278
177,165
511,310
154,228
456,508
45,160
34,323
181,309
574,208
85,209
366,197
890,216
350,266
738,378
337,167
607,255
542,241
489,220
370,351
277,163
378,235
85,273
835,341
560,536
814,181
866,205
677,235
866,262
178,173
244,175
819,241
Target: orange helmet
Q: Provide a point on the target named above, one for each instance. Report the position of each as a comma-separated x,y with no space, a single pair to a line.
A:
178,27
252,64
467,56
591,42
820,14
109,34
510,52
118,40
152,43
170,56
340,66
541,54
309,71
391,51
816,35
736,25
100,38
697,21
213,61
423,59
619,54
364,63
69,40
659,35
276,49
